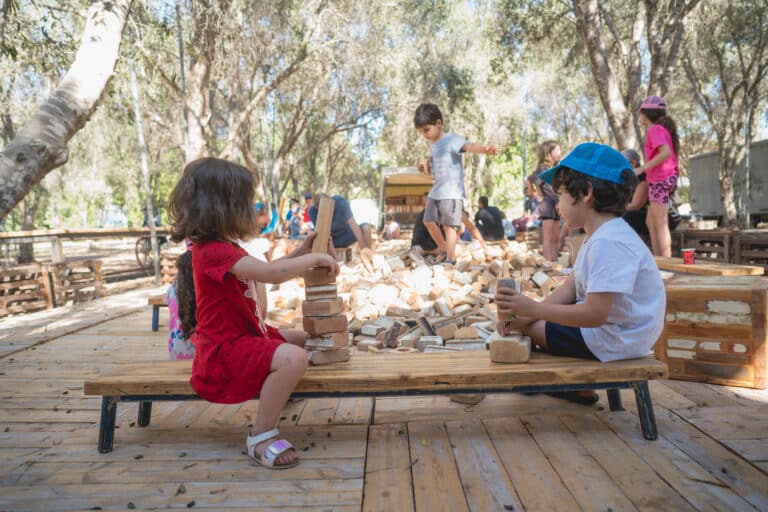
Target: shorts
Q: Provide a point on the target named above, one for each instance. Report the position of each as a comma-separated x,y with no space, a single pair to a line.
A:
659,192
446,212
566,341
547,209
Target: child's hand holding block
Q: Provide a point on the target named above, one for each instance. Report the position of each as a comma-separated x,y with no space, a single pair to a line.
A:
514,348
510,283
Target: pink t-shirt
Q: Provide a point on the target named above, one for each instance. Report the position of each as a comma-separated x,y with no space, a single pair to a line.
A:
656,137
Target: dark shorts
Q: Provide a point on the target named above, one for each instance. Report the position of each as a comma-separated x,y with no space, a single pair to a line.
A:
446,212
566,341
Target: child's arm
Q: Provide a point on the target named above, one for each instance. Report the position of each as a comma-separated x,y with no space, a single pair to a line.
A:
474,147
593,312
283,269
663,154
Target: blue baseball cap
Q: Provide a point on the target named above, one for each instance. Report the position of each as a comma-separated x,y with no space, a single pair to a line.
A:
593,159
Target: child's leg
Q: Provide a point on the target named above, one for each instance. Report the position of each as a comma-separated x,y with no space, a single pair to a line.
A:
451,235
436,234
659,229
289,363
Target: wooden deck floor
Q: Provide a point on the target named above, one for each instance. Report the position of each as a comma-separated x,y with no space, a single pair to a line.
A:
508,452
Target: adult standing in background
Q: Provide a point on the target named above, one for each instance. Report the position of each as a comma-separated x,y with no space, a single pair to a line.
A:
549,156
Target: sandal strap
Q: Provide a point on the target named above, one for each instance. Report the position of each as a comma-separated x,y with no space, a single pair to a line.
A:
252,441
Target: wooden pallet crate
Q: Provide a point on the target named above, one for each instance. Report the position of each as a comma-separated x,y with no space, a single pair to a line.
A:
715,329
75,281
751,247
24,288
710,244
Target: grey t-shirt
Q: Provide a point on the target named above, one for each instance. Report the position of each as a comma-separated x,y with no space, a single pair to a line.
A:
445,159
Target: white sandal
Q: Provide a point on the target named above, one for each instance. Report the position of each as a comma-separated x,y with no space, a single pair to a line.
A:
273,451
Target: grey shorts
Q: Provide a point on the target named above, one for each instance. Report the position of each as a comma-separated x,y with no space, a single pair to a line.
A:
446,212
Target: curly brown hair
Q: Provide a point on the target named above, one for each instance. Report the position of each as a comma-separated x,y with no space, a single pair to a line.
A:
185,294
213,200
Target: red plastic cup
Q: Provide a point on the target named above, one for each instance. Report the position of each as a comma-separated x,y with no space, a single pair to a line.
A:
689,256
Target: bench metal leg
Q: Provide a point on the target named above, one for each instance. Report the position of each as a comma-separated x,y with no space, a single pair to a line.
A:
645,410
614,400
145,413
155,317
107,424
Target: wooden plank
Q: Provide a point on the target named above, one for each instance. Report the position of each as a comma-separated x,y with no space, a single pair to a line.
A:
705,268
753,450
236,469
588,482
204,494
387,470
388,372
436,482
636,478
323,225
746,480
319,411
702,489
735,422
354,410
486,485
537,483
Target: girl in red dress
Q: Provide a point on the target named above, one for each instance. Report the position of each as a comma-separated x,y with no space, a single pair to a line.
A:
238,356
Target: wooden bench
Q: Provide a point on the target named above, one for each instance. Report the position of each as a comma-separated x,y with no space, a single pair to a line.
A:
157,302
394,374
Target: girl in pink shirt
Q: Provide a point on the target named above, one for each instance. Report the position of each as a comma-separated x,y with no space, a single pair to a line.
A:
661,149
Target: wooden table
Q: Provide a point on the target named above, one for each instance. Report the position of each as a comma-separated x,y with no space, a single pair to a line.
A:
708,269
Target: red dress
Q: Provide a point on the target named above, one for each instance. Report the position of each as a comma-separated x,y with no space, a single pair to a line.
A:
234,347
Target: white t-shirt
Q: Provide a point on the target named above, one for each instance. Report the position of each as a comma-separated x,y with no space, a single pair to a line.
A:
445,159
614,259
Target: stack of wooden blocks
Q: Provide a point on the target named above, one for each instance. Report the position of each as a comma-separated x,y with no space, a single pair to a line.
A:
323,310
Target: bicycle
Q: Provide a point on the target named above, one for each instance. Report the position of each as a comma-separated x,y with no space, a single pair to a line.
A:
143,250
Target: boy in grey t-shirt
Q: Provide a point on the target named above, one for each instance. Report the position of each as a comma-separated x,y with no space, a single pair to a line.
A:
444,202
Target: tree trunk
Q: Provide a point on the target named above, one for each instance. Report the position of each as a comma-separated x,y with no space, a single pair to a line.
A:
149,207
41,145
727,174
619,118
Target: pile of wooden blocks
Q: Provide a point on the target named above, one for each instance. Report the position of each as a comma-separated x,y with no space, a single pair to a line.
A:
324,319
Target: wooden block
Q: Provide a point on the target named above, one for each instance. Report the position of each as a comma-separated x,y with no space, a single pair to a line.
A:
447,331
318,357
326,291
473,399
425,341
372,330
323,225
317,325
510,349
475,344
330,341
442,308
326,307
317,276
393,333
426,327
466,333
367,344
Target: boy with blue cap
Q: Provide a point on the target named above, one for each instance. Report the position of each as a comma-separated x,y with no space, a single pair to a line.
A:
612,305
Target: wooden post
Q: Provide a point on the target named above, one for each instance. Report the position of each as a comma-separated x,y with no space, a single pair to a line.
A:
323,227
57,251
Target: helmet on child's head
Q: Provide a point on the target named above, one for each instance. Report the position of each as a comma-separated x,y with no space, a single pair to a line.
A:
593,159
307,195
